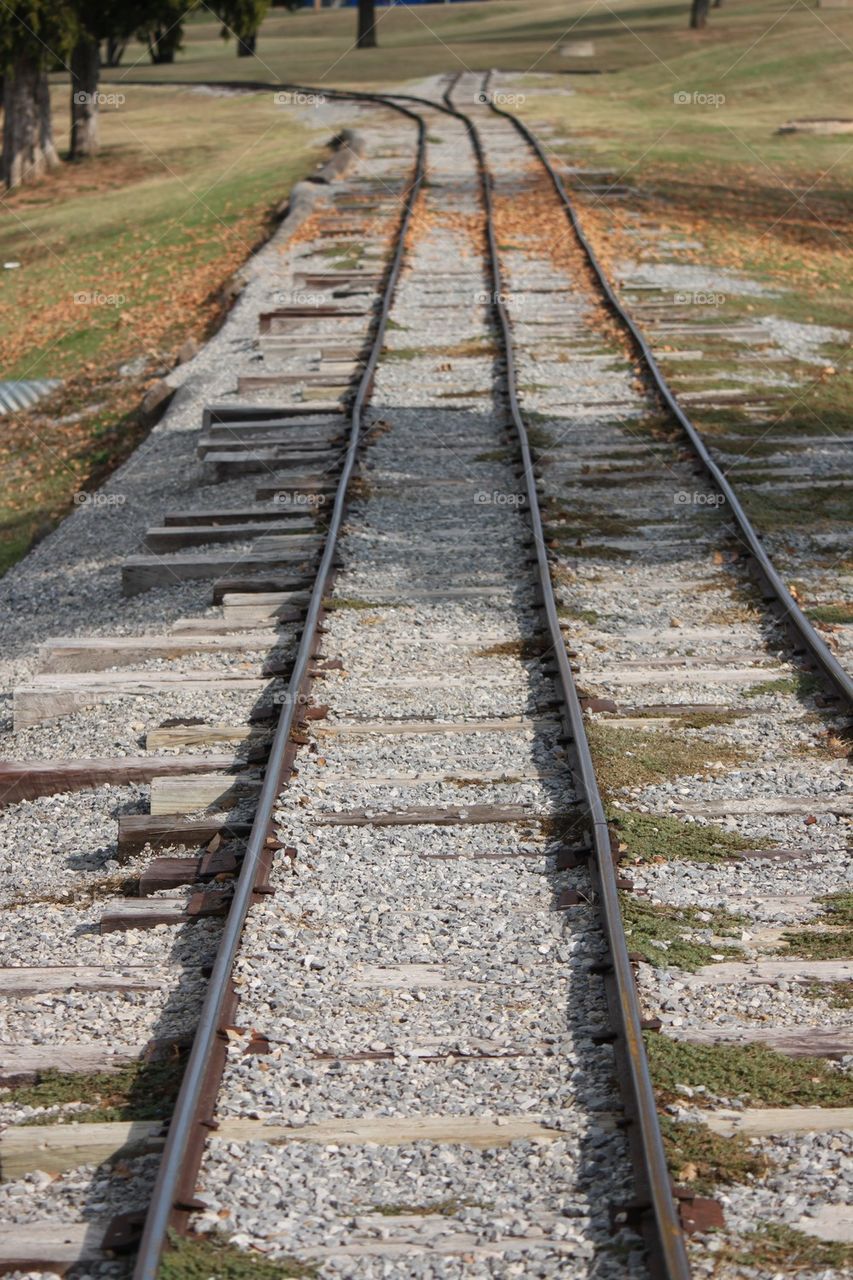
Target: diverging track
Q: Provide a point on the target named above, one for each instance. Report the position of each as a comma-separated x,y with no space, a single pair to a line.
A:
422,998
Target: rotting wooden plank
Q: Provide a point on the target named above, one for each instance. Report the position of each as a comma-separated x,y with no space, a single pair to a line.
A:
173,830
428,815
48,697
680,675
199,735
270,624
187,793
143,573
835,803
53,777
497,777
177,537
51,1246
794,1042
407,977
760,1122
99,653
260,583
470,1131
20,1062
403,728
34,980
265,413
760,972
217,517
146,913
55,1148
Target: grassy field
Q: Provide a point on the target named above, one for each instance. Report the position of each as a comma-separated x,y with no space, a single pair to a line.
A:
185,182
121,260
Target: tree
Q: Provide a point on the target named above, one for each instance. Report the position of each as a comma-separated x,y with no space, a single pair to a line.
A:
162,28
366,38
96,21
242,19
35,35
698,14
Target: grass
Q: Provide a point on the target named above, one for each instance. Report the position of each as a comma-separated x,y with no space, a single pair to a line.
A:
647,837
353,602
443,1208
662,935
834,943
838,995
624,758
526,649
703,1160
213,1258
802,686
782,1250
758,1076
834,614
137,1091
179,196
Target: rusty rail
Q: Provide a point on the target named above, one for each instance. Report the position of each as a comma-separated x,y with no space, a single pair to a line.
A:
173,1195
804,633
655,1207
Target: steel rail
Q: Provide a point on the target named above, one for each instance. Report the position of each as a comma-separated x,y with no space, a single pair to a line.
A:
656,1203
186,1120
840,680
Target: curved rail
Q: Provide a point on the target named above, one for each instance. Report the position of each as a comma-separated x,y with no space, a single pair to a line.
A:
824,660
186,1122
656,1204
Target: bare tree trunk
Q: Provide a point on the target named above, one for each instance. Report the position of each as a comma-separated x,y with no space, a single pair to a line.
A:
698,14
366,25
115,50
85,74
28,149
718,4
246,46
162,45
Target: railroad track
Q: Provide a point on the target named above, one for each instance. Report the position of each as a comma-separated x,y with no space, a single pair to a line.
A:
405,1074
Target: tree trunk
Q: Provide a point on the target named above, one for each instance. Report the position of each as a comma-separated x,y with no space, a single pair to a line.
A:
246,46
115,51
698,14
28,149
85,73
162,45
366,25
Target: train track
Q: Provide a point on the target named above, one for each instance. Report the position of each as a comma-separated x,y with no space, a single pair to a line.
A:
487,664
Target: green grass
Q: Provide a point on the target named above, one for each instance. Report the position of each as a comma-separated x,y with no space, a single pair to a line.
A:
759,1077
834,614
179,196
833,943
703,1160
802,686
647,837
137,1091
625,758
664,935
782,1250
213,1258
